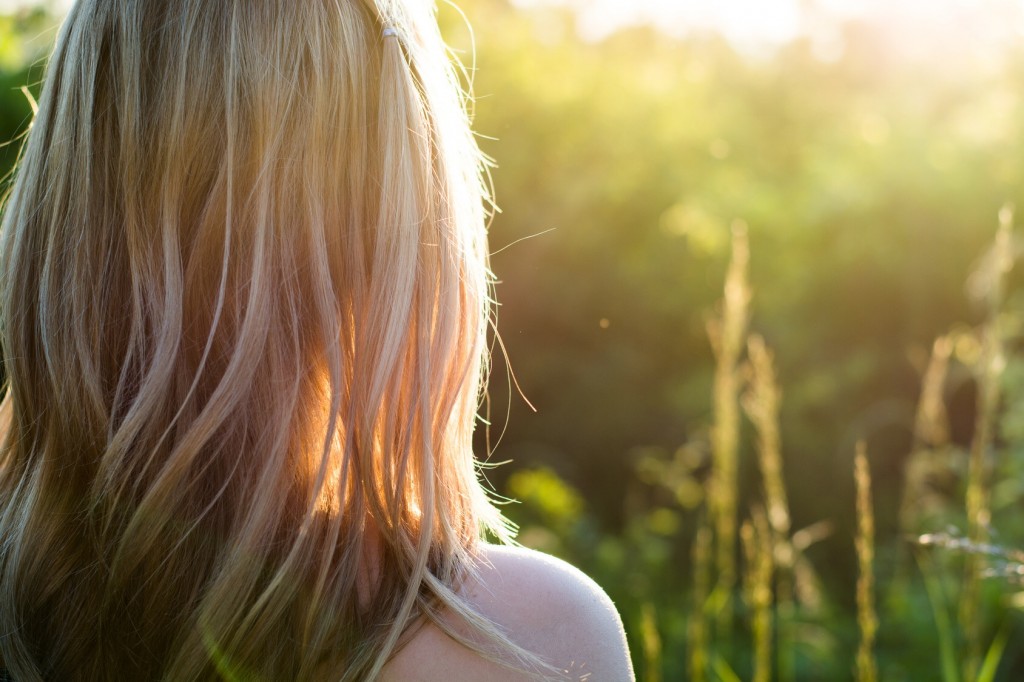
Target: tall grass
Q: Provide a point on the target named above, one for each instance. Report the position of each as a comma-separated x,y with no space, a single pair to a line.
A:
775,572
931,447
757,609
727,333
988,284
867,619
697,629
757,545
761,402
652,643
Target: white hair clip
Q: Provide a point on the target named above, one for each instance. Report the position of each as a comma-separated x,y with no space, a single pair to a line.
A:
388,31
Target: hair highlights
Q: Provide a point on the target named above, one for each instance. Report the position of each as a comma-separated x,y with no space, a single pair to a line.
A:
243,307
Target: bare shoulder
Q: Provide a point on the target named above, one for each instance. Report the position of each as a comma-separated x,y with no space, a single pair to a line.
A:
545,605
553,609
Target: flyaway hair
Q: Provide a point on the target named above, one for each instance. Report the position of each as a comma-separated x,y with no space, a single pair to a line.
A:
243,308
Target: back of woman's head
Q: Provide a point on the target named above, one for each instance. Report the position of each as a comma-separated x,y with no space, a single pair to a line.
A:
243,303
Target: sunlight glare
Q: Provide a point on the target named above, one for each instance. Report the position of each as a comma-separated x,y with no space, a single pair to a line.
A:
924,29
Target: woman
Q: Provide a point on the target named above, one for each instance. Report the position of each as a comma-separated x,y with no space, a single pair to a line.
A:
244,298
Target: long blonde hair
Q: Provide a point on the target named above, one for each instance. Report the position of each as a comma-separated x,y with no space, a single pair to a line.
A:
243,303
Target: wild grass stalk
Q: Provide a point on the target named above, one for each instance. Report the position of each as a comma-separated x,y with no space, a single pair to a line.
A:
1007,564
727,334
988,284
651,640
931,434
867,619
756,536
931,423
697,630
943,623
761,403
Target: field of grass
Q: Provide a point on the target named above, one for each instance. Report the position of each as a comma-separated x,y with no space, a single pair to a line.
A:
939,601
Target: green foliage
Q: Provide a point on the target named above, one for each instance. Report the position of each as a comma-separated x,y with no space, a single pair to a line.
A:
24,39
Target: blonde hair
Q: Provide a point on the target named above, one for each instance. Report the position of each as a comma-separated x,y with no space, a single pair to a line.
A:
243,301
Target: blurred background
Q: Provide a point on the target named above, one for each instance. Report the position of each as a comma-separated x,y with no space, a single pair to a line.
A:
853,162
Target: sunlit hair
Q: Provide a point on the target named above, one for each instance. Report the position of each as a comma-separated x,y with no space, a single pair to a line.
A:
243,300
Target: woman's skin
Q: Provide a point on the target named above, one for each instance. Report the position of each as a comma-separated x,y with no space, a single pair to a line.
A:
545,605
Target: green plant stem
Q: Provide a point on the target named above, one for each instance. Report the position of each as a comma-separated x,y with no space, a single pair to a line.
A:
865,541
727,336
